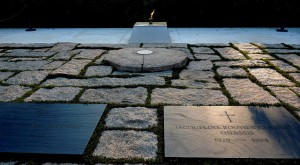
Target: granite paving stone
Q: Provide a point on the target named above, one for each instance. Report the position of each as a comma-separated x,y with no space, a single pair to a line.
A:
53,65
284,66
211,44
200,65
246,92
167,73
89,54
292,58
186,51
274,46
196,75
127,144
206,57
127,96
23,65
283,51
17,50
63,46
40,50
269,76
132,117
203,50
28,77
29,54
26,59
187,97
63,55
296,90
248,48
231,72
29,45
286,95
72,67
196,84
55,94
230,53
98,70
241,63
5,75
260,56
296,76
12,92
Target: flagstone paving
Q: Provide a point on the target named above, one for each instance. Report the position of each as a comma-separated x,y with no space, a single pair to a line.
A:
131,132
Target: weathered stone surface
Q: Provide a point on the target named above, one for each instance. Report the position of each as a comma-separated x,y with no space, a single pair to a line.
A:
64,55
100,60
10,93
132,117
292,58
167,73
23,65
128,96
53,65
260,56
26,59
200,65
127,144
106,81
231,72
5,75
28,77
283,51
196,84
186,51
17,50
269,76
274,46
248,48
55,94
195,75
30,45
246,92
29,54
296,90
63,46
284,66
211,44
206,57
246,63
89,54
203,50
187,97
40,50
98,71
72,67
286,95
296,76
230,53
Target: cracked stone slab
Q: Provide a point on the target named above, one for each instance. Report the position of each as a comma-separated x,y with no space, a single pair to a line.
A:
286,95
28,78
292,58
260,56
55,94
284,66
167,73
196,75
127,96
246,92
274,46
10,93
206,57
5,75
176,96
127,144
269,76
296,76
132,117
64,55
29,45
89,54
98,70
200,65
283,51
29,54
23,65
105,81
196,84
203,50
72,67
231,72
230,53
241,63
63,46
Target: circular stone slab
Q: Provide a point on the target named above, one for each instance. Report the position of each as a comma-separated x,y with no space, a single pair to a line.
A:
144,52
161,59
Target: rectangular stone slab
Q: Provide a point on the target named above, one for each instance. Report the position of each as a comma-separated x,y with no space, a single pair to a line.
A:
230,132
32,128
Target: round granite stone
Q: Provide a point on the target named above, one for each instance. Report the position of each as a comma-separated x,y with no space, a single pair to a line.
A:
161,59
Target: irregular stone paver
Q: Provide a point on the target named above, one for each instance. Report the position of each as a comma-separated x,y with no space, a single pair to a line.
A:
100,60
89,54
186,51
246,63
260,56
5,75
53,65
203,50
55,94
296,90
98,71
72,67
206,57
64,55
26,59
246,92
29,54
195,75
30,45
41,50
231,72
200,65
274,46
252,50
106,81
167,73
10,93
127,144
28,77
23,65
292,58
283,51
63,46
17,50
248,48
269,76
187,97
132,117
286,95
128,96
296,76
284,66
196,84
230,53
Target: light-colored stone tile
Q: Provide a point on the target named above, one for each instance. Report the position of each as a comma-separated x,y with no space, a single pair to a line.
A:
245,46
246,92
167,73
29,54
55,94
72,67
274,46
292,58
53,65
128,96
241,63
260,56
89,54
28,77
230,53
296,90
284,66
286,95
17,50
40,50
203,50
10,93
196,75
187,51
200,65
206,57
283,51
23,65
29,45
231,72
98,70
26,59
296,76
252,50
63,46
269,76
176,96
5,75
196,84
132,117
63,55
127,144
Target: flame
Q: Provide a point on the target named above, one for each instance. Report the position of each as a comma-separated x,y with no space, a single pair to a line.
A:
152,13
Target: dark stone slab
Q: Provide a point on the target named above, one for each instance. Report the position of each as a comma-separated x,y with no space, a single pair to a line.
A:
230,132
30,128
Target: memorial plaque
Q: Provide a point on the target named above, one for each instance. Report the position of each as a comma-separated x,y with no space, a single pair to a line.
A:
32,128
230,132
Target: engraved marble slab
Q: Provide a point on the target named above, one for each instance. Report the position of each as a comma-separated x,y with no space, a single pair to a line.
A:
230,132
